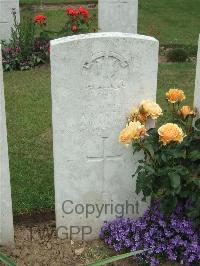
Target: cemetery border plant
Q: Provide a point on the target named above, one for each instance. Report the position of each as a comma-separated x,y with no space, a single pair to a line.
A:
170,238
24,50
177,55
170,170
29,45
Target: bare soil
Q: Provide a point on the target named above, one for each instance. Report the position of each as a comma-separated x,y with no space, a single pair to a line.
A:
37,245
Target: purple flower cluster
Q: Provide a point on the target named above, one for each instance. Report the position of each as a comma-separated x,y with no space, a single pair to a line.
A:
167,238
15,58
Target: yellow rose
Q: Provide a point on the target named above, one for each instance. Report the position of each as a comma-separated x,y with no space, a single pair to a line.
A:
136,115
175,95
170,132
142,118
134,130
186,111
151,109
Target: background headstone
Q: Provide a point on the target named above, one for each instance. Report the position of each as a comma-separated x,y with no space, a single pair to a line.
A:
6,216
118,15
7,7
197,83
96,80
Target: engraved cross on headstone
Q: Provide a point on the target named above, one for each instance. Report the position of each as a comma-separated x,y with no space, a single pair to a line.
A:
103,158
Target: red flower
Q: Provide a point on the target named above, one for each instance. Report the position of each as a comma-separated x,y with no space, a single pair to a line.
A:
70,11
84,12
74,28
76,12
40,19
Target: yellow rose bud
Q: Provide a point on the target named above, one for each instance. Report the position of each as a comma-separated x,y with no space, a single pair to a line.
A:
170,132
133,131
175,95
151,109
186,111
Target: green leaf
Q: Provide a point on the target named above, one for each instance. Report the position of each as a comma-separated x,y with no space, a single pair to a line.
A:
163,157
138,170
197,124
197,181
195,155
175,180
116,258
193,213
179,153
144,183
168,204
149,169
6,260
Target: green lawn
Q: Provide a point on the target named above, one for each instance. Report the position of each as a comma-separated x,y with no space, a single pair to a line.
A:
179,75
56,18
177,21
28,105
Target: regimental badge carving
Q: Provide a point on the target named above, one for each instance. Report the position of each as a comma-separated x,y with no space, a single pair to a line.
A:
106,70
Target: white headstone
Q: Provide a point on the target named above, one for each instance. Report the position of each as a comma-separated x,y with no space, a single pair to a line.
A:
96,80
6,217
118,15
7,7
197,83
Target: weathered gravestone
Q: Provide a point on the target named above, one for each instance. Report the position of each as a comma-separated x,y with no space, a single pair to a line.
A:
118,15
7,7
96,80
197,83
6,217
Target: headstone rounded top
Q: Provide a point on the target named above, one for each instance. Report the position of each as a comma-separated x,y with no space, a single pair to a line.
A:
102,35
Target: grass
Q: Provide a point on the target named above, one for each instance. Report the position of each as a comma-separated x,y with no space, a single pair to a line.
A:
177,21
28,106
56,18
178,75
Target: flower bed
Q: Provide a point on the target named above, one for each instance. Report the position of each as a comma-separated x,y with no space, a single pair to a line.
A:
167,238
30,40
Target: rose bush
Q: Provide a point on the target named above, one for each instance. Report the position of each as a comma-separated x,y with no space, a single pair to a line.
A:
170,169
79,21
